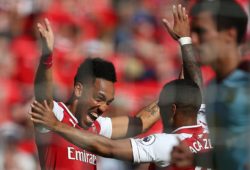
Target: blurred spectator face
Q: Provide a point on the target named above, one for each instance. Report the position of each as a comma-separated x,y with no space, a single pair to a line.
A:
94,101
7,62
207,40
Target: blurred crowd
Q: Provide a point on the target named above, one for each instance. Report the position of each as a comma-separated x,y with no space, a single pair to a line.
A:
127,32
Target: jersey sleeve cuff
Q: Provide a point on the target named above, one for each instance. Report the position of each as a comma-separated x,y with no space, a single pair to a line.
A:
135,151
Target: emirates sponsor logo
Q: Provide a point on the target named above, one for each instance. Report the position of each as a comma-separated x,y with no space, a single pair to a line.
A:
83,156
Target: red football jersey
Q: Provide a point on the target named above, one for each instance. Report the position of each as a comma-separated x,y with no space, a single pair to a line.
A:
56,153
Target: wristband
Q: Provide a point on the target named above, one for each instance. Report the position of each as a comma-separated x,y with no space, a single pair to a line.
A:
185,40
48,62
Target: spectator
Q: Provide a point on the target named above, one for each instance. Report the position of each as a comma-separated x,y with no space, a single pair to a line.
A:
218,28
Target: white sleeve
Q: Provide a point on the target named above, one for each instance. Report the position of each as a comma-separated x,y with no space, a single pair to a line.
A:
154,148
58,111
105,126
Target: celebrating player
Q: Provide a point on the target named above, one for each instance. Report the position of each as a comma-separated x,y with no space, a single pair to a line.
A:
93,92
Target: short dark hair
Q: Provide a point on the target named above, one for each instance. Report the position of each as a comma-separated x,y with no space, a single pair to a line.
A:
226,14
185,94
93,68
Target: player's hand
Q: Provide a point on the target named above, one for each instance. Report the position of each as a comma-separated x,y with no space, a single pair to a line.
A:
47,37
42,114
181,26
181,156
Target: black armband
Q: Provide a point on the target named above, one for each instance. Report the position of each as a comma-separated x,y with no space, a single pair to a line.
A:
134,126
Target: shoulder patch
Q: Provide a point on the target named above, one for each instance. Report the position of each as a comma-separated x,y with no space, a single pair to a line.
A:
148,140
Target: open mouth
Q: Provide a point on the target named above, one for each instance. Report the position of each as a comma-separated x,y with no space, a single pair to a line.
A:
93,116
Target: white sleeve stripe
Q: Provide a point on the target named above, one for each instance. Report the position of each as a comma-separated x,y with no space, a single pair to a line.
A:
58,111
105,126
69,112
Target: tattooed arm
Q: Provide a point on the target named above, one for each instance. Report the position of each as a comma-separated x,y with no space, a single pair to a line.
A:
191,68
180,32
125,126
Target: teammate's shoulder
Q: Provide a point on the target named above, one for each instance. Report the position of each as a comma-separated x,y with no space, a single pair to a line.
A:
58,110
62,112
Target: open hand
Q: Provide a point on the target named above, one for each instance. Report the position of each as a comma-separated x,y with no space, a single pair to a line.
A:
42,114
181,26
47,37
181,156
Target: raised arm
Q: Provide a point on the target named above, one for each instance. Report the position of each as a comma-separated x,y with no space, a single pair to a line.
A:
181,32
125,126
43,78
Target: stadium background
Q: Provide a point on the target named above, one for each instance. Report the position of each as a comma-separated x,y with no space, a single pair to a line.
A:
127,32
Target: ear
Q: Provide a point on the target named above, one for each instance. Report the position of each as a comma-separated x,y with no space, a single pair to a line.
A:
231,35
78,88
173,109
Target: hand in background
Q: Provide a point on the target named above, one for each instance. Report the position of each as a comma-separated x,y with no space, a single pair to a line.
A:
181,26
47,37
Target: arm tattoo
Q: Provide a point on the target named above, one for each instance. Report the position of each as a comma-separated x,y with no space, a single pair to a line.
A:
152,109
190,66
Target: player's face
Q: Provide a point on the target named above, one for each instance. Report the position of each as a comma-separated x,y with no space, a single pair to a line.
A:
206,39
94,102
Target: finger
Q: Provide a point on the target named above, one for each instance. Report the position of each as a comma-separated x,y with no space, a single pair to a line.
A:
179,12
41,29
39,26
35,115
47,23
183,10
38,104
46,105
36,120
185,16
170,31
174,10
167,25
36,109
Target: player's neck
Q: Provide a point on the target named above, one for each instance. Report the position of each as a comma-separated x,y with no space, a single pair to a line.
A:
185,121
72,106
72,103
